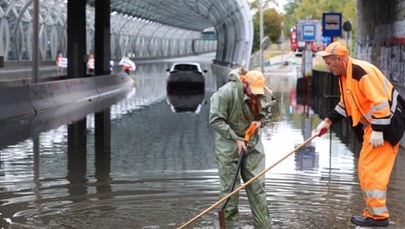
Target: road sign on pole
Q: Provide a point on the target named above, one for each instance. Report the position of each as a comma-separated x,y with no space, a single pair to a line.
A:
332,24
309,32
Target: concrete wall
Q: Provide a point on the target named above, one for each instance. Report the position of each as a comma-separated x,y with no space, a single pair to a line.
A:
381,36
222,74
35,98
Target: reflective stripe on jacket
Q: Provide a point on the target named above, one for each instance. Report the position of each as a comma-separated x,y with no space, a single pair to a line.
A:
365,95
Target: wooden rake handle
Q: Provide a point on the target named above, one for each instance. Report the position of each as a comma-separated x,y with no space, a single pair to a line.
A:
246,184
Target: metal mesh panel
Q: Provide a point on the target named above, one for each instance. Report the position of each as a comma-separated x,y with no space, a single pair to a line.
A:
144,29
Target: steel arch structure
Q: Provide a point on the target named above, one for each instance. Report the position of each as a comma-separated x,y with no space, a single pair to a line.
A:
140,29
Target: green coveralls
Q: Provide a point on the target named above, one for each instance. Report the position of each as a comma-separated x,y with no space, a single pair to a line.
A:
231,114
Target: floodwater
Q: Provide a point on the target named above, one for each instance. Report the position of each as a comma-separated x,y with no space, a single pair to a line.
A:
159,169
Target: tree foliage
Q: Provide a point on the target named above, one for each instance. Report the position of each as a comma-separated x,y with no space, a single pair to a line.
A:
314,9
272,21
265,3
295,10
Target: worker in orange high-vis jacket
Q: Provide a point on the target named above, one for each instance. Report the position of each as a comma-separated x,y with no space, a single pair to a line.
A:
90,64
59,66
369,100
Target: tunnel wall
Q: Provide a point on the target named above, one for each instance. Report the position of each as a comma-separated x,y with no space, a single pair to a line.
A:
381,36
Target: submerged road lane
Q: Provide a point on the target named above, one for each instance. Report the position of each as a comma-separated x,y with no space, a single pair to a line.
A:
160,170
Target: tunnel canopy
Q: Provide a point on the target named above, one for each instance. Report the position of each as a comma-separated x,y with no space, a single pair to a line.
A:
231,20
152,28
194,15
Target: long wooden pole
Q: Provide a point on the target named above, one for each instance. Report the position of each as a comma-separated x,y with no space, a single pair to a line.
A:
245,184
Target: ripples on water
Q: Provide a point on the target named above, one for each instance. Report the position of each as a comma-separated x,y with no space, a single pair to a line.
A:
161,172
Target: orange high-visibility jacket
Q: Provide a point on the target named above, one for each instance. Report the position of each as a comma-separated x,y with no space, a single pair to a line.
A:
365,96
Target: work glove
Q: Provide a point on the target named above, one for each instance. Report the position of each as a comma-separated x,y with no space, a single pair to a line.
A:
376,138
322,128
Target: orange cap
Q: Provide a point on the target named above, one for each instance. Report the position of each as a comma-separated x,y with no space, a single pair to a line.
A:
335,48
255,79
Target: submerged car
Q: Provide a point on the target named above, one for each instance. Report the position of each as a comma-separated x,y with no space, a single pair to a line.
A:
187,76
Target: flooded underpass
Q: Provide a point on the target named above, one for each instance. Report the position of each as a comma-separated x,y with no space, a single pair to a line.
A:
159,169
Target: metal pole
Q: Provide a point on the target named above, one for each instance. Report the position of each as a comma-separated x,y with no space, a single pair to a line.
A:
35,40
261,34
282,43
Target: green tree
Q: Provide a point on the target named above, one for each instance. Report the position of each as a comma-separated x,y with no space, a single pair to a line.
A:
294,10
254,5
271,26
314,9
289,19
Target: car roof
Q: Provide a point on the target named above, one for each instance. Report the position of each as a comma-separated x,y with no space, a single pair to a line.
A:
192,63
186,66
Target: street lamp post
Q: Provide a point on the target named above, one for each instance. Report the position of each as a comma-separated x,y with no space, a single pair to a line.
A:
282,43
264,44
261,34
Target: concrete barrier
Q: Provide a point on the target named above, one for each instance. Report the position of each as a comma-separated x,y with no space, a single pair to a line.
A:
112,84
15,101
82,89
50,94
62,92
53,118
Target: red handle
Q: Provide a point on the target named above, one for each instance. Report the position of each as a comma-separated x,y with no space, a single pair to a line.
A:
323,131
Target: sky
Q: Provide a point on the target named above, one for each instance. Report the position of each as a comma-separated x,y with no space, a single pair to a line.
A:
279,6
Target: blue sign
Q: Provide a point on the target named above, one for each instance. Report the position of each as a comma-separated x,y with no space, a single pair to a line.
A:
309,32
332,24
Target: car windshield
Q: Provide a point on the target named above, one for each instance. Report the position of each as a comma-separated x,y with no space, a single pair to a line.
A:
185,67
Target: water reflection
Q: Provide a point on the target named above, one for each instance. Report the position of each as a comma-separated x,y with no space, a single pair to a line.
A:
152,168
19,129
185,100
76,160
306,159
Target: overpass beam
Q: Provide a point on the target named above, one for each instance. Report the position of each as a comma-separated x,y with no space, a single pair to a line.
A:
76,33
102,49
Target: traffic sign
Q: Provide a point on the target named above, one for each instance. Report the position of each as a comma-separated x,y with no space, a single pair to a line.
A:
308,32
332,23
